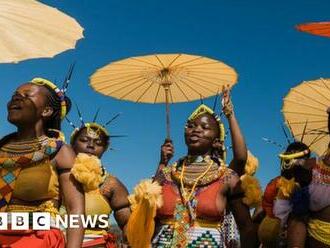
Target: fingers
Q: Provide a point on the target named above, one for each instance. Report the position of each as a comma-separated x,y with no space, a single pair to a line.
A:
167,151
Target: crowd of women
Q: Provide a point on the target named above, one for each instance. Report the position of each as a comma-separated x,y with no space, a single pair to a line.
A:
198,201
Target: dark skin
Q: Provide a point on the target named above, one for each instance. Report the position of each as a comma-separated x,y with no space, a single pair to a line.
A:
202,138
297,227
238,143
28,110
116,193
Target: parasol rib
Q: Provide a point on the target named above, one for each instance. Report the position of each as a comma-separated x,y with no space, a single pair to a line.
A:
319,139
304,104
301,113
210,72
157,93
142,66
160,62
119,89
179,55
301,122
109,80
146,90
320,93
189,86
183,93
324,83
115,84
132,90
298,92
141,60
170,91
201,79
187,62
202,86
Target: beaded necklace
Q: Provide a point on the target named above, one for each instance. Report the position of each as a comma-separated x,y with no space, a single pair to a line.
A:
321,173
17,155
185,195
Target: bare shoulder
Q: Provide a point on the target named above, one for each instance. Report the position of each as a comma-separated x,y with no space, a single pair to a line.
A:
65,157
113,184
230,177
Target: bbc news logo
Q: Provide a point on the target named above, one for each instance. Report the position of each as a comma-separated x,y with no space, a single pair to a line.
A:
43,221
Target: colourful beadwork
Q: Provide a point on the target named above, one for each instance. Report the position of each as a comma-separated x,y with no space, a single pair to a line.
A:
321,173
15,156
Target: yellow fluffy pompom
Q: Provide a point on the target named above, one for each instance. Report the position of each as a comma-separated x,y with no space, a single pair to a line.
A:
251,165
252,191
146,199
286,187
87,171
146,189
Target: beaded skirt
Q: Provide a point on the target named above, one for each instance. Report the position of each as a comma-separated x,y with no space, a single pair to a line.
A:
224,236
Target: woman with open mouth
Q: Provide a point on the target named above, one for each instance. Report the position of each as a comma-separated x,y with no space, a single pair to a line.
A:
35,166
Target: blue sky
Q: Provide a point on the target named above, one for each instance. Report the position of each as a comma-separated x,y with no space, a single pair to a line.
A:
257,38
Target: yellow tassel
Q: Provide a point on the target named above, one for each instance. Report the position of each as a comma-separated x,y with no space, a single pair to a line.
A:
87,171
286,187
252,191
146,199
251,165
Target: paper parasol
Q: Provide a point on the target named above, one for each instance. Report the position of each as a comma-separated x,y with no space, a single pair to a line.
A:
30,29
163,78
305,111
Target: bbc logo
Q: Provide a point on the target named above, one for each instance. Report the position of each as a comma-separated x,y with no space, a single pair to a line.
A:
21,221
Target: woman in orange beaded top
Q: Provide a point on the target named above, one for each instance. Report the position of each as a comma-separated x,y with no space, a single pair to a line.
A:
200,196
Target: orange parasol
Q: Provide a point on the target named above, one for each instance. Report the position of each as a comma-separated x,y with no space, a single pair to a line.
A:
315,28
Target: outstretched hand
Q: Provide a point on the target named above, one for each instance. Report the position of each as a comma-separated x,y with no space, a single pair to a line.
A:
166,152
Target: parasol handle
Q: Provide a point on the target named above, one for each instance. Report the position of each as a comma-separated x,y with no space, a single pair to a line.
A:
168,136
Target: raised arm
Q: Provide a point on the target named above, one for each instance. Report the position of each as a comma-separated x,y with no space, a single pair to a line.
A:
237,139
72,192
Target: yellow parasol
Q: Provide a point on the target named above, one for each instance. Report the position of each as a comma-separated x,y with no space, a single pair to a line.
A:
305,111
30,29
163,78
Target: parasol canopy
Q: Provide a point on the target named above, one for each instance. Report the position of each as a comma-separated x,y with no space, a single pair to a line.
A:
163,78
30,29
305,112
315,28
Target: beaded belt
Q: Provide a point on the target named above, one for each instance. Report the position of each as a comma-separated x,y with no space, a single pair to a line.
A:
196,223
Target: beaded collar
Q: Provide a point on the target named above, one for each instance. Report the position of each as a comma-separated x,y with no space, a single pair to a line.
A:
17,155
194,169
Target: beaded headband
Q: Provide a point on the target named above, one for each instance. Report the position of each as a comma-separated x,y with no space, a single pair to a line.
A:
203,109
93,128
58,92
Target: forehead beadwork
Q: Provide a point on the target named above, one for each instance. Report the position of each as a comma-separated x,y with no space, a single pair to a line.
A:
203,109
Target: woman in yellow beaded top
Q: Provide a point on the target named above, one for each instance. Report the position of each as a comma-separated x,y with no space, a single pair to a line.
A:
104,193
35,165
